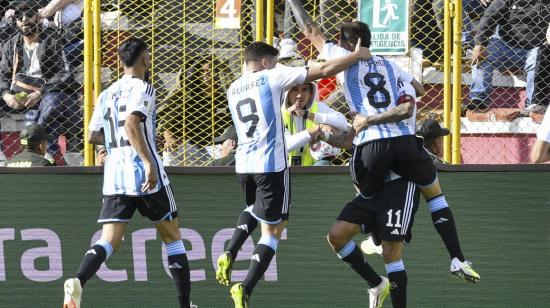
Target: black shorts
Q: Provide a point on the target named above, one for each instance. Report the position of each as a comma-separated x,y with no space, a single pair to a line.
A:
389,215
157,207
268,194
371,163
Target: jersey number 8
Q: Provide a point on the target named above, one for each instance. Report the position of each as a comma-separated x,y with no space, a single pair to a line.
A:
376,83
249,117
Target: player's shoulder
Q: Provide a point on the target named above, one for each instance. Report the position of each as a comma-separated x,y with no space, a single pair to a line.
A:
141,86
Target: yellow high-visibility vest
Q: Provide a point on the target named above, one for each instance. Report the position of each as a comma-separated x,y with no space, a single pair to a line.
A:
307,159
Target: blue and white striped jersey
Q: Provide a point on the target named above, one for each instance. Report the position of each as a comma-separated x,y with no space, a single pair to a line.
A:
124,172
255,103
371,87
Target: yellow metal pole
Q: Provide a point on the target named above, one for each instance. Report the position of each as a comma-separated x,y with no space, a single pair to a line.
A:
88,82
259,20
447,73
457,81
270,20
96,11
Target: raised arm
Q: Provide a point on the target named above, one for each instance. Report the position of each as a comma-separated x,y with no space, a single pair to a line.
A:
54,6
418,88
311,31
337,65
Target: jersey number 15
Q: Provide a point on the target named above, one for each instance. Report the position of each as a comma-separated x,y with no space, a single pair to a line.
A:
108,117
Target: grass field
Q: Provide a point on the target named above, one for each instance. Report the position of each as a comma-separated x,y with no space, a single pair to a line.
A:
503,221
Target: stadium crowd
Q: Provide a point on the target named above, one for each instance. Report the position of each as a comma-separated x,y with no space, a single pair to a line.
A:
41,66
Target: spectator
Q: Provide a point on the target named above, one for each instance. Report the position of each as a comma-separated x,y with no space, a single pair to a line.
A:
541,93
34,141
302,114
433,133
33,80
472,10
229,141
521,26
195,111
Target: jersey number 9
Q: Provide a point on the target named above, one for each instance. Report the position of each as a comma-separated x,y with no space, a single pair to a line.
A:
252,117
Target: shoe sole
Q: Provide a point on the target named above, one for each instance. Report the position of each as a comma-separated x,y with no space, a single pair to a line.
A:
223,273
465,277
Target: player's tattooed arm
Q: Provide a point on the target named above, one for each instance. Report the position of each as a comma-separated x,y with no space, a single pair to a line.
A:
401,112
97,137
341,140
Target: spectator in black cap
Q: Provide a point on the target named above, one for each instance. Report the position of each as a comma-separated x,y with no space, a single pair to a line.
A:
34,141
433,133
228,140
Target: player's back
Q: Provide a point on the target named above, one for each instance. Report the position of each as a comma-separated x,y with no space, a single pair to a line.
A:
371,87
124,169
255,104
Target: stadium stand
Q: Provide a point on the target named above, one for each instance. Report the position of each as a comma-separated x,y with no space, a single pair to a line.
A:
192,68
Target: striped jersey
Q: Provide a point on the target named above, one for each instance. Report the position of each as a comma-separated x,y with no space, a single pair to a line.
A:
255,103
124,172
371,87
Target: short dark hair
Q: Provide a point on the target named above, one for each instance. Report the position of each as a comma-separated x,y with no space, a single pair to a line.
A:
259,50
350,32
130,50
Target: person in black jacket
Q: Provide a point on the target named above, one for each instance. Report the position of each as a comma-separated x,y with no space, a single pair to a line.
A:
34,80
521,30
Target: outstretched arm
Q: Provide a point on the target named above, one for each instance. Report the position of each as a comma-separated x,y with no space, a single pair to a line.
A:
337,65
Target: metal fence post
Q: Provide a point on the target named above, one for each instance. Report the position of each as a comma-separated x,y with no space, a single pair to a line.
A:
88,81
457,81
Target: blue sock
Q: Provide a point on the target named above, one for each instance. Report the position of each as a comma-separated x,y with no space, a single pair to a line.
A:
437,203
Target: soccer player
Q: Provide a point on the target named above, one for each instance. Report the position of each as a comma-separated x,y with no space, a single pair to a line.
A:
134,178
389,216
261,160
386,125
